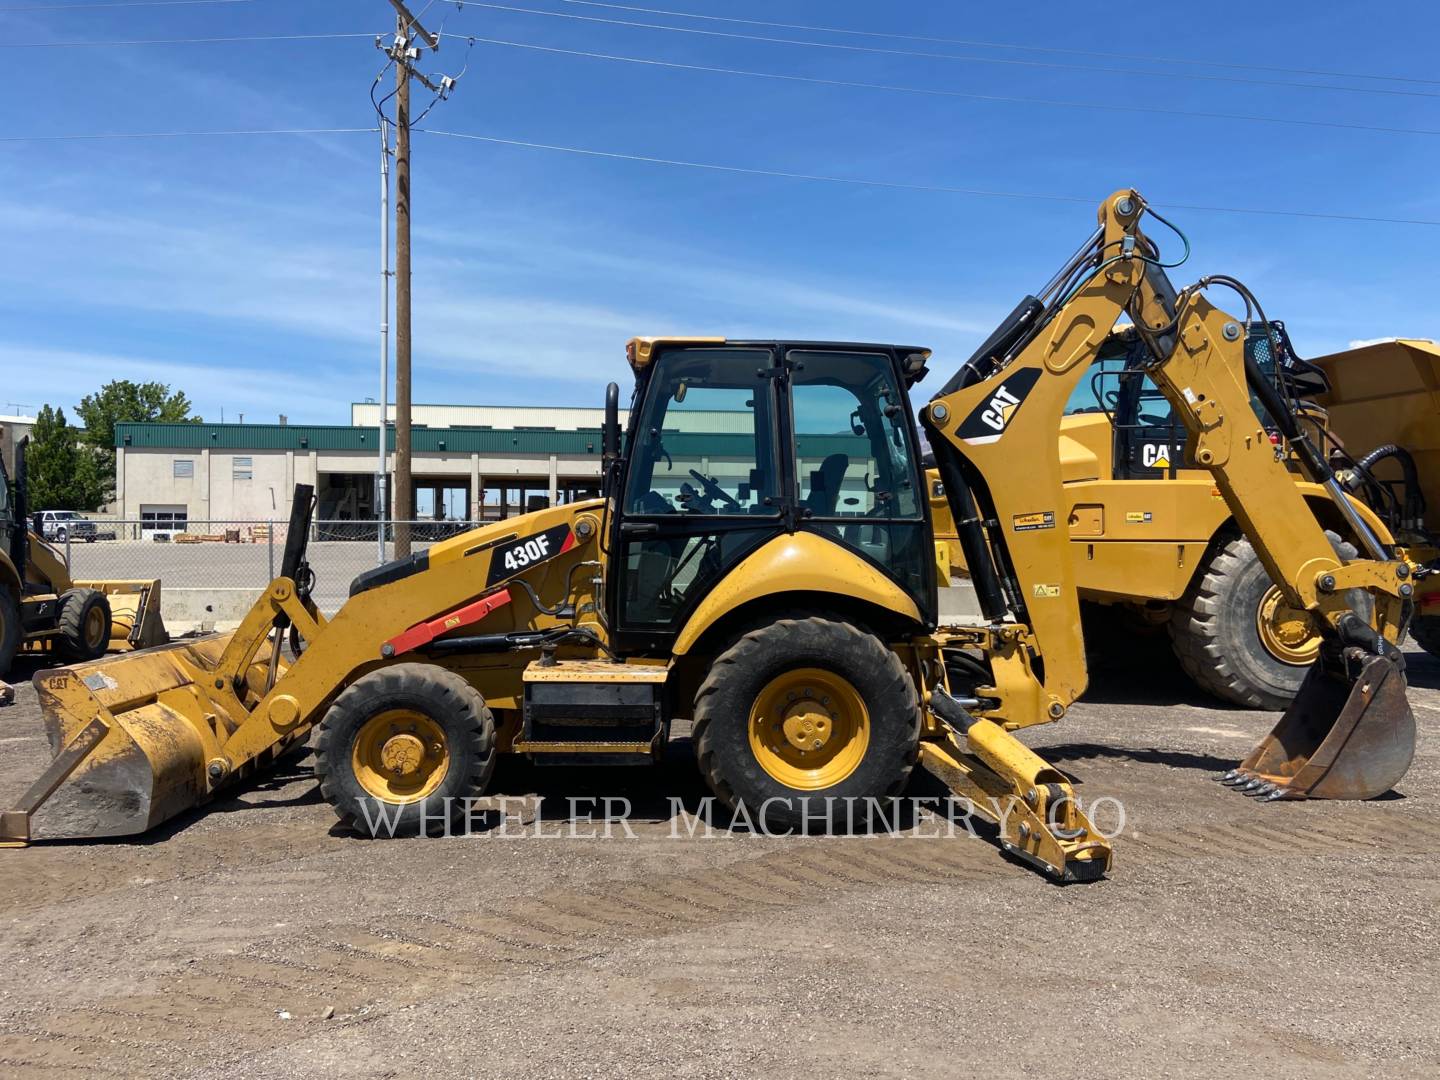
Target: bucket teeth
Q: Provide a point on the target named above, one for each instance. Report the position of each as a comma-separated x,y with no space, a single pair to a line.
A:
1229,777
1236,780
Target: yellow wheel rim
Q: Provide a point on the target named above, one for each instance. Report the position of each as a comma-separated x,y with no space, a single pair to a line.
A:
809,728
1285,631
95,627
400,756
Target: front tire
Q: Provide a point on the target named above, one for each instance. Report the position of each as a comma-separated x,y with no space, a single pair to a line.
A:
801,714
402,749
84,625
10,630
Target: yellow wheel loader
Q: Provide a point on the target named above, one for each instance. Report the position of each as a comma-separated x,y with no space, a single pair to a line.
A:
762,565
43,610
1153,540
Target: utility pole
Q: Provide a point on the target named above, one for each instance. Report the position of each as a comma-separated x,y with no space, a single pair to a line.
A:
408,31
381,472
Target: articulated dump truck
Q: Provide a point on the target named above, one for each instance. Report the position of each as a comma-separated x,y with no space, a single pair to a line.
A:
1379,419
762,564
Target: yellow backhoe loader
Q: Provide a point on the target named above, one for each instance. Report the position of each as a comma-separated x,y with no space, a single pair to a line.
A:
762,563
1153,540
44,610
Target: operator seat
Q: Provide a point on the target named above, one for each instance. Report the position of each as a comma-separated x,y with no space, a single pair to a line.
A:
825,484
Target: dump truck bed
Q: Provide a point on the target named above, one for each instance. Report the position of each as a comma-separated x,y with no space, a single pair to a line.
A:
1388,392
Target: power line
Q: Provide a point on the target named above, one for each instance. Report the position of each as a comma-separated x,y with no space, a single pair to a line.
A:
996,98
183,134
972,43
176,41
123,4
1011,61
900,186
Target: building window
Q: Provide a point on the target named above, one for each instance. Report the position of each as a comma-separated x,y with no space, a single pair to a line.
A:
242,468
184,469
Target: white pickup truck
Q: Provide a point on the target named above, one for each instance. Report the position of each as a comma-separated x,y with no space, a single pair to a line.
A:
62,525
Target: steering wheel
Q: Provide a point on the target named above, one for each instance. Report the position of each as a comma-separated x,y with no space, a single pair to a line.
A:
714,490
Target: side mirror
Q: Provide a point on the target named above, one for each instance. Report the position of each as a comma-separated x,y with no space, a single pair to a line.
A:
610,435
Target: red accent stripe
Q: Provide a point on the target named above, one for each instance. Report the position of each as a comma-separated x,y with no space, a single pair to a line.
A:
425,632
569,542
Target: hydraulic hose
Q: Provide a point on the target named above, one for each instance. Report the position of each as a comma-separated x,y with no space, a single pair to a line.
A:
1414,504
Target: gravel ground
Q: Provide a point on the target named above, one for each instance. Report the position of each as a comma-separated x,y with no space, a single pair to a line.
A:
258,939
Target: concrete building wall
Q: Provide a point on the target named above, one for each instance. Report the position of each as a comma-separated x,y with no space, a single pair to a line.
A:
12,430
216,485
209,485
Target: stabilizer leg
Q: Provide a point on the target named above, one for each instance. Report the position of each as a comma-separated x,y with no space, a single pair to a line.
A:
1031,802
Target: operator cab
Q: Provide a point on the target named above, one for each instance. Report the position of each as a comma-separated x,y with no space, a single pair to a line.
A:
733,443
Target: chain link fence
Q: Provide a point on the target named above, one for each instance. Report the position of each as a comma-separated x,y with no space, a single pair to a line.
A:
239,558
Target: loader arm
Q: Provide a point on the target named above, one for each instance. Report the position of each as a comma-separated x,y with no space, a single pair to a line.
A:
992,427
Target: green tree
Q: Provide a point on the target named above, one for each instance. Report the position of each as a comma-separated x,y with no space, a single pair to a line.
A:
60,477
122,401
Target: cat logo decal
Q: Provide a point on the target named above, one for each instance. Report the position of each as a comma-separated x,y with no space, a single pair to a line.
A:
988,421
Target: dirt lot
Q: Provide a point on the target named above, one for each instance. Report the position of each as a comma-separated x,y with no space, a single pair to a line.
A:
1295,939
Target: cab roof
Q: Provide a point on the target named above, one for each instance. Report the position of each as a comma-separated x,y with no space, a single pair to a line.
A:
640,351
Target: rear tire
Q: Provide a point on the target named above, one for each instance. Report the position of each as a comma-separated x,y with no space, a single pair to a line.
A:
782,688
84,624
1216,637
10,630
377,759
1424,631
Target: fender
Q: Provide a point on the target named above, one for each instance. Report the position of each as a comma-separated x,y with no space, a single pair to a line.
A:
796,562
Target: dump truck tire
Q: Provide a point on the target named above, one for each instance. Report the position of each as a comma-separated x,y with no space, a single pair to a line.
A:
402,749
1215,631
84,625
1424,631
803,713
10,633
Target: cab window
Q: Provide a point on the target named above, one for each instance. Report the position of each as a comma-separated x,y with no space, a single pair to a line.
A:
853,457
704,444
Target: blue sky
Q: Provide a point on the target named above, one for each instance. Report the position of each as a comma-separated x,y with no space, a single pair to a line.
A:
244,270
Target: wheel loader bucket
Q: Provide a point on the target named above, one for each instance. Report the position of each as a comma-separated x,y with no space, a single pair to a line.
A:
132,737
1339,739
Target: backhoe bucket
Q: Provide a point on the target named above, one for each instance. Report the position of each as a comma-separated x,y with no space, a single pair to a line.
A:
1339,739
131,736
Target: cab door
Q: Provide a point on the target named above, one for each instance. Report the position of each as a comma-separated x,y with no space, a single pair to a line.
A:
855,465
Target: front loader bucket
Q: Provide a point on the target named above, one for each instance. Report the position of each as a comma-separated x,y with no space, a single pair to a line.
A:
1339,739
130,737
135,621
